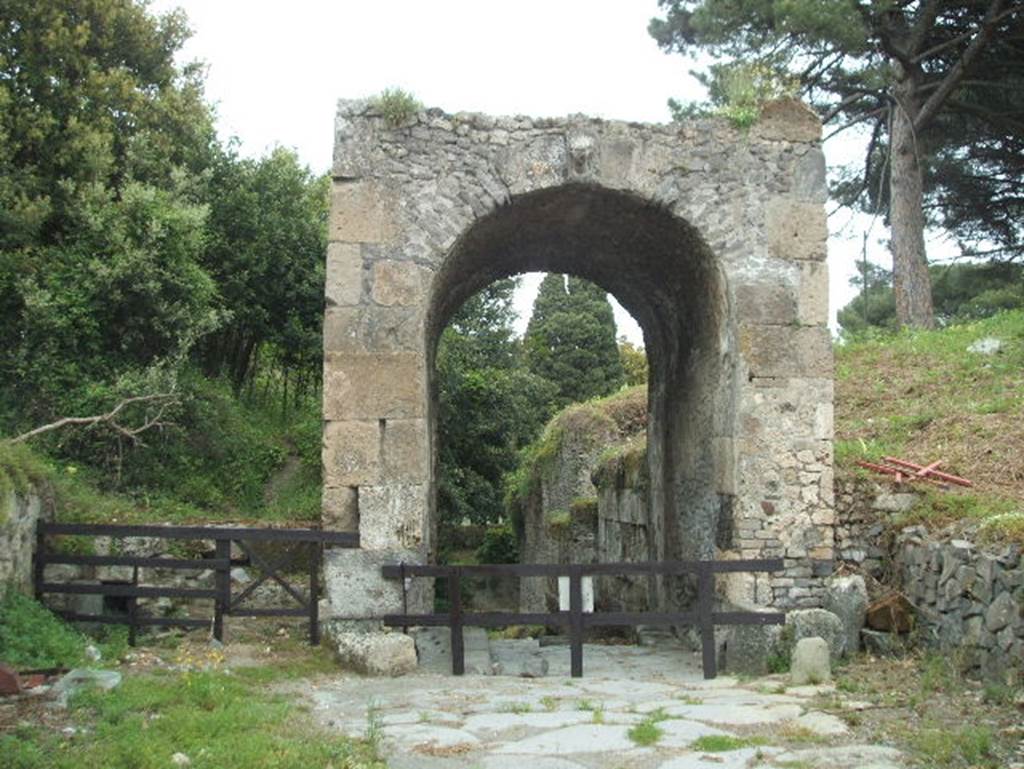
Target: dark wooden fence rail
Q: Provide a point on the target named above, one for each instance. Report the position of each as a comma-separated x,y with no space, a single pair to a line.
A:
575,619
224,604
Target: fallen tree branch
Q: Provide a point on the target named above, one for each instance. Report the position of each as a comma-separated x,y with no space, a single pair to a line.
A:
163,400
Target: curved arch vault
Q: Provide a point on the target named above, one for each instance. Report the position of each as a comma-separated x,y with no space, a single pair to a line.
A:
713,239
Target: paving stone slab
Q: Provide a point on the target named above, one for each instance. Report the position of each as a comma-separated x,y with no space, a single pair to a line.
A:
516,762
589,738
493,723
844,757
823,724
429,735
733,759
736,715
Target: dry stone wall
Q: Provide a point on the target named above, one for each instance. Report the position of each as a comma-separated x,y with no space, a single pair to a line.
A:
968,596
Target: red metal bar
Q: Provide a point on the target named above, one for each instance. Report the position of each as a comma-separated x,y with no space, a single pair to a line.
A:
935,473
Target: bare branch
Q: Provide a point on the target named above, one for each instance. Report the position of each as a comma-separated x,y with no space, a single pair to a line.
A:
111,418
922,26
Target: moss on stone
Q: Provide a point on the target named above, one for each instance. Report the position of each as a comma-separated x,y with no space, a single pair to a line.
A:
590,425
20,470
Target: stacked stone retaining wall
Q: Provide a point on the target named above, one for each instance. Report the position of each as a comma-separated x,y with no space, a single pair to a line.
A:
968,595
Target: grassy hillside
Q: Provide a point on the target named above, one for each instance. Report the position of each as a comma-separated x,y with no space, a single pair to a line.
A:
924,396
221,458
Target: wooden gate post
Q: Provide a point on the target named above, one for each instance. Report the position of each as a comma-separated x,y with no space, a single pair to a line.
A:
705,605
455,621
576,621
222,603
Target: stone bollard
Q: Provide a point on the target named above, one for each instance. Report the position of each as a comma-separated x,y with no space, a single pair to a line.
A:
810,662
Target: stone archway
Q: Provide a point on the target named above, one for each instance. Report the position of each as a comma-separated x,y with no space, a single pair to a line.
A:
712,238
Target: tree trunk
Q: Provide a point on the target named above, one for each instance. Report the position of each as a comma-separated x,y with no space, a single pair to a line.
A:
911,281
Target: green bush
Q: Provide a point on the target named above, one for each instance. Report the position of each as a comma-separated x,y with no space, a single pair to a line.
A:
397,106
32,637
499,545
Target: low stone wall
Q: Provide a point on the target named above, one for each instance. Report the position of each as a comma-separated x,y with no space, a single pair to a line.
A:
19,513
969,600
863,511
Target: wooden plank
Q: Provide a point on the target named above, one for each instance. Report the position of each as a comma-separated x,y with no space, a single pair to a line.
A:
455,613
128,591
749,564
270,569
705,603
294,612
141,619
398,571
475,619
634,618
342,538
131,560
576,622
747,618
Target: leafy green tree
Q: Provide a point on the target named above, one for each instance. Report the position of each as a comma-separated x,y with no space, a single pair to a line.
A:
102,140
267,236
489,407
634,362
570,340
961,292
936,84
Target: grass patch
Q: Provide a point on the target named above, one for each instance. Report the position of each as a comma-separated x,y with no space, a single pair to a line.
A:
217,719
921,395
517,707
397,106
645,733
720,743
998,519
32,637
969,746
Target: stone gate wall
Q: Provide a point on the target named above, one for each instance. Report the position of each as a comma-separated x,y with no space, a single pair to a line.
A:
713,238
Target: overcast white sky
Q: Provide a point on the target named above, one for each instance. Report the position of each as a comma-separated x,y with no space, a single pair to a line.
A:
276,70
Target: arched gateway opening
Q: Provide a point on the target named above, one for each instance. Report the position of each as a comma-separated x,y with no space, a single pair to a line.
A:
658,267
714,240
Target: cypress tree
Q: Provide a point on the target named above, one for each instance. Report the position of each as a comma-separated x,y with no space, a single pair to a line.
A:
570,340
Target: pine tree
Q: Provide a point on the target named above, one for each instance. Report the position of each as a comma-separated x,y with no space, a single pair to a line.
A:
570,340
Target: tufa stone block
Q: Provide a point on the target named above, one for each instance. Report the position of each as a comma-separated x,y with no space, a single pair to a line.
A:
361,212
399,283
812,301
357,591
796,230
351,453
787,119
404,446
810,662
377,386
340,509
392,516
375,654
766,303
344,281
787,351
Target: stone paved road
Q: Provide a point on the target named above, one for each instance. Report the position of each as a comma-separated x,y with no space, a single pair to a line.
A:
435,721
